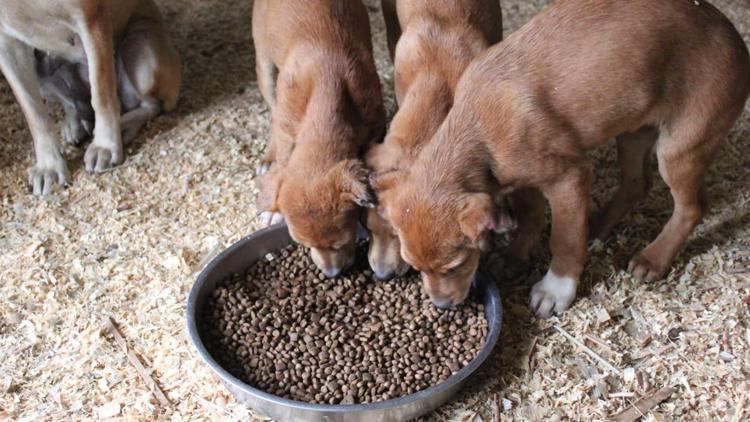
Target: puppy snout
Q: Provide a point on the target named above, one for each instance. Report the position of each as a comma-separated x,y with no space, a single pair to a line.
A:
443,304
331,272
332,264
383,274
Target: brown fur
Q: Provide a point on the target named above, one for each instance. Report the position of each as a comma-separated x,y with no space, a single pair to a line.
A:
577,74
316,70
438,39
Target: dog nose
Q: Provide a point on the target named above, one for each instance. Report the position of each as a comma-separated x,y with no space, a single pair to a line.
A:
443,304
383,275
382,272
331,272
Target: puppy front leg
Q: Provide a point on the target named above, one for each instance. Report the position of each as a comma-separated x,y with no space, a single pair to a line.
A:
568,198
18,65
106,149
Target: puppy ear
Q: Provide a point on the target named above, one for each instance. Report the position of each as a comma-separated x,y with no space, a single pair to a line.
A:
476,218
384,181
270,185
352,181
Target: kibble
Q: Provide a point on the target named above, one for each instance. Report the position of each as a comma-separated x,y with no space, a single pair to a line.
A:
286,329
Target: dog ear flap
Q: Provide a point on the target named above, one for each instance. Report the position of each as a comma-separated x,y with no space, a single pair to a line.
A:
270,185
384,181
476,218
352,179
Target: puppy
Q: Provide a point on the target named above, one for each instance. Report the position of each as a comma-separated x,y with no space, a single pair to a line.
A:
673,75
83,53
316,71
438,39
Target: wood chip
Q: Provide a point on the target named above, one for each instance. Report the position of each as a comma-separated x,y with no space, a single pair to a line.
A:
109,410
642,406
136,362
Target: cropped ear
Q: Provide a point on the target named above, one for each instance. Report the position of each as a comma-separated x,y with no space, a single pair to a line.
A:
270,185
476,218
352,177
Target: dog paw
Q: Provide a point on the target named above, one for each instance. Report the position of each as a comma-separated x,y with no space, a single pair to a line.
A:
552,295
504,267
42,178
74,132
268,218
645,269
99,158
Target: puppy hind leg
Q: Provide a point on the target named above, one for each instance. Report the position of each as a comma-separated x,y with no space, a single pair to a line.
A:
148,76
683,166
634,153
267,73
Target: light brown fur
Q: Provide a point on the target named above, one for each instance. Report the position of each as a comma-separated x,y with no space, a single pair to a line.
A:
89,34
438,39
577,74
316,70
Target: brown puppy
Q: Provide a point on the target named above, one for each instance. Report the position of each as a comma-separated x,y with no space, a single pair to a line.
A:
112,59
438,39
672,73
316,71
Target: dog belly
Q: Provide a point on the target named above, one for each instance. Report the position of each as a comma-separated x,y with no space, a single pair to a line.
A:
51,35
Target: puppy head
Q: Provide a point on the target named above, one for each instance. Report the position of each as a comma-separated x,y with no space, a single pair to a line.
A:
321,210
441,233
384,250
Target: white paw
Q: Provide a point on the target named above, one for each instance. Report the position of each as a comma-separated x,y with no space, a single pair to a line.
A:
43,177
268,218
101,157
552,295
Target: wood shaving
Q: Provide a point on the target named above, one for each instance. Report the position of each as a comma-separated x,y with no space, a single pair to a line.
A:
127,243
640,408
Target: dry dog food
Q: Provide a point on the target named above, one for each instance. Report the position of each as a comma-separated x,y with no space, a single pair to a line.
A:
286,329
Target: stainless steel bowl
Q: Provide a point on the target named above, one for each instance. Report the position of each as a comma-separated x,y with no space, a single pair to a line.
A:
243,254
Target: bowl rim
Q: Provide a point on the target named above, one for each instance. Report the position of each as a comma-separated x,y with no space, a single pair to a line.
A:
226,376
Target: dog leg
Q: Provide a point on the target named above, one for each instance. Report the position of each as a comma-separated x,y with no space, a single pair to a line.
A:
17,64
392,25
682,165
67,83
149,75
634,152
568,198
106,149
528,205
267,73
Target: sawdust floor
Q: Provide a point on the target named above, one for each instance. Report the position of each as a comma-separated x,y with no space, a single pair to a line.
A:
127,244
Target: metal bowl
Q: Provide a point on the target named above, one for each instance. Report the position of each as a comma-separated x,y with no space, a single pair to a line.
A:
242,255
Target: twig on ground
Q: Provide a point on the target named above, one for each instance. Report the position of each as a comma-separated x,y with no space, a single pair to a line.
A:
588,351
599,342
642,406
136,362
530,361
622,395
496,407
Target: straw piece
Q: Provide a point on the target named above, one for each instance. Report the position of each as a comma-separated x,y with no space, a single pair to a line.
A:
591,353
136,362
